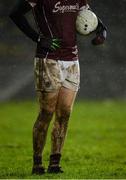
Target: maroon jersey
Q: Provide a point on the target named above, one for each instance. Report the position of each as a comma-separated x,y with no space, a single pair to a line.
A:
57,19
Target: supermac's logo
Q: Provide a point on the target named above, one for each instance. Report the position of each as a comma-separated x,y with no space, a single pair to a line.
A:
65,8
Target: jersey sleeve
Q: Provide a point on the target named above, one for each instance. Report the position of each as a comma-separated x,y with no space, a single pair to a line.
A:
32,2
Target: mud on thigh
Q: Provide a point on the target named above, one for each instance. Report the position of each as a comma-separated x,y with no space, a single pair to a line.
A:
47,75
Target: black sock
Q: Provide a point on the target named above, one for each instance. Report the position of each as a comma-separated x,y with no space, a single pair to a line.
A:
37,160
55,159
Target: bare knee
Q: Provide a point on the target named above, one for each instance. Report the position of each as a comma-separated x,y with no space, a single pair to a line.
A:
46,114
48,101
43,119
63,112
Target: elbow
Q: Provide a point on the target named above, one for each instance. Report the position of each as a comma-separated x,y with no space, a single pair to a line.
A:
12,15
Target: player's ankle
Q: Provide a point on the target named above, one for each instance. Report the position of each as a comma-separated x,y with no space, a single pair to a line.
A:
55,159
37,160
37,165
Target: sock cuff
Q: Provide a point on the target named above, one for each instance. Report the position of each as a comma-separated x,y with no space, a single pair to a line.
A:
55,159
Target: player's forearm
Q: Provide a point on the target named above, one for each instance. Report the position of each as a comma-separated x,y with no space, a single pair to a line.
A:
101,25
24,26
18,17
101,33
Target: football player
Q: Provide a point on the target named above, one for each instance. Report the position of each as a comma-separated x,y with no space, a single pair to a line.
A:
57,74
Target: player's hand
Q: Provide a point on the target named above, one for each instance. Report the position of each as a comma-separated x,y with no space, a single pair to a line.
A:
51,44
101,34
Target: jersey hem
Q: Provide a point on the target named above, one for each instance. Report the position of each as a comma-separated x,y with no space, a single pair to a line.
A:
56,58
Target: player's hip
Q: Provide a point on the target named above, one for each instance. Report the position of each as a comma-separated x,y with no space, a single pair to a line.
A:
66,53
50,74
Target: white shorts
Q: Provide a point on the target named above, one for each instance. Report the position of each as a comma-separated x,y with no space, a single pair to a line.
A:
51,75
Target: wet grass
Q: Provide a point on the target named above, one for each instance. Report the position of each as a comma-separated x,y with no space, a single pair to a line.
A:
95,146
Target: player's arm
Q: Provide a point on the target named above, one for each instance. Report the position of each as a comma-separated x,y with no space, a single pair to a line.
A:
101,33
18,17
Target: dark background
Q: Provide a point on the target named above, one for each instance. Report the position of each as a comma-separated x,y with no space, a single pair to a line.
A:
103,68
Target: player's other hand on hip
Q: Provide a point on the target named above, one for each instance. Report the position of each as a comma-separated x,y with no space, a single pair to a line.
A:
51,44
101,34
